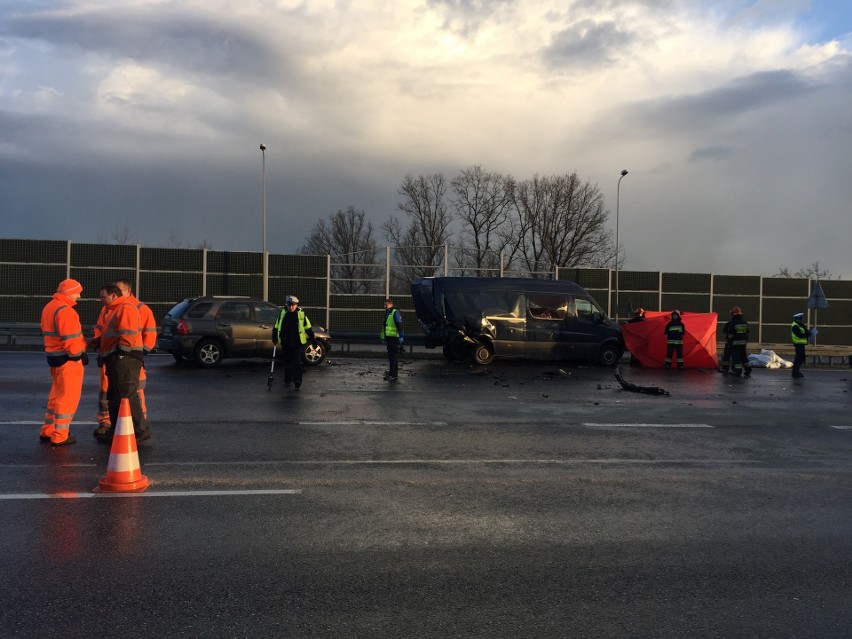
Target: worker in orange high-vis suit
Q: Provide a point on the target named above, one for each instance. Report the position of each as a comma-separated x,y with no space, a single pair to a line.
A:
148,326
65,348
121,353
103,405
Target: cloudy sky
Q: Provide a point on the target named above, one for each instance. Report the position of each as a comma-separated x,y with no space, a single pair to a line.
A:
732,117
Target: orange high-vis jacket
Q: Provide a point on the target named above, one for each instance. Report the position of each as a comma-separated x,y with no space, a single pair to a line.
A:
99,327
60,326
120,329
147,324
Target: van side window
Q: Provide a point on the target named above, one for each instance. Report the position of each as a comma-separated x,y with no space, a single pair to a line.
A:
548,307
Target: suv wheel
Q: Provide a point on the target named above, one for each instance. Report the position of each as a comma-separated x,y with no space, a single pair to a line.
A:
314,354
209,353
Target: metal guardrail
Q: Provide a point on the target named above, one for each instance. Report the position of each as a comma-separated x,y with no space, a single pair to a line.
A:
30,333
11,332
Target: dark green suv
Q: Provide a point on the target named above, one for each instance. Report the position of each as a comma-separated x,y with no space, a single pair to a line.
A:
210,329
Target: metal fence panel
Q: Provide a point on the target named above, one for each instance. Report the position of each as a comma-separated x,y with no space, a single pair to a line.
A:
31,269
686,302
736,285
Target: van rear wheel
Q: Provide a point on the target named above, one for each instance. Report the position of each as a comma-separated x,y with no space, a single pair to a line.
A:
482,354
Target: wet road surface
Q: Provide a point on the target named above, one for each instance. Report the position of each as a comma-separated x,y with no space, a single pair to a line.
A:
516,500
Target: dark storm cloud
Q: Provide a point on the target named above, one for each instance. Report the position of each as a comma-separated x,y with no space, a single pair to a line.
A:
199,43
587,43
743,95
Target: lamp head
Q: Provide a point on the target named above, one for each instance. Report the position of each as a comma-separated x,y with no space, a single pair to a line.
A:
263,147
623,172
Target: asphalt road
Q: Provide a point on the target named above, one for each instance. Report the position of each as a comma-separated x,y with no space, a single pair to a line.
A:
515,500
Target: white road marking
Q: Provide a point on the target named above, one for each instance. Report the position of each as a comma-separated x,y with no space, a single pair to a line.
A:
631,425
150,493
842,427
41,422
371,423
448,462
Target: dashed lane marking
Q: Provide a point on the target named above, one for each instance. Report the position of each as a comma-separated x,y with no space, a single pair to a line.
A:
370,423
41,422
632,425
150,493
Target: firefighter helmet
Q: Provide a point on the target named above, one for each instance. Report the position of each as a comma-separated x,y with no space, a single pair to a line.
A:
675,312
736,311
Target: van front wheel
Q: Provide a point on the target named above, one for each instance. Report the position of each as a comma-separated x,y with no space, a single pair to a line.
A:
482,354
609,355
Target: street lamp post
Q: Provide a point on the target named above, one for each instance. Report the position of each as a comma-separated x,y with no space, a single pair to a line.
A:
264,257
617,206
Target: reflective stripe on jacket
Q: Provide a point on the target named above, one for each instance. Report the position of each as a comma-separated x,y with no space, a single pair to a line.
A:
304,325
736,332
147,324
120,330
674,332
60,326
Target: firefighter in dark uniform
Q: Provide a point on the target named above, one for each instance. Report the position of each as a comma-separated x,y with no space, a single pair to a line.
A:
638,316
725,366
674,340
736,340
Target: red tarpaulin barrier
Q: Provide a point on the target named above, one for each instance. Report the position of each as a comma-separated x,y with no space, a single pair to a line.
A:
646,340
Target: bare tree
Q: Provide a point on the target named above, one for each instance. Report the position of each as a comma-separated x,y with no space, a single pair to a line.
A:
482,203
421,243
812,272
348,238
561,221
122,235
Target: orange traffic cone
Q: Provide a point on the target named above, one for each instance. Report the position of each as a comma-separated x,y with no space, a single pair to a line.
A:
123,473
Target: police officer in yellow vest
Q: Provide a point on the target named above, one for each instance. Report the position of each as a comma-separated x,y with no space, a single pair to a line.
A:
292,331
799,335
393,336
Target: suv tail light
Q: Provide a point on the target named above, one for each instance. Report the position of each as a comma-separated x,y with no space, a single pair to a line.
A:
181,328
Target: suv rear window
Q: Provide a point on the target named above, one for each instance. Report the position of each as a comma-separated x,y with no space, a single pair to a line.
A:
179,309
199,310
